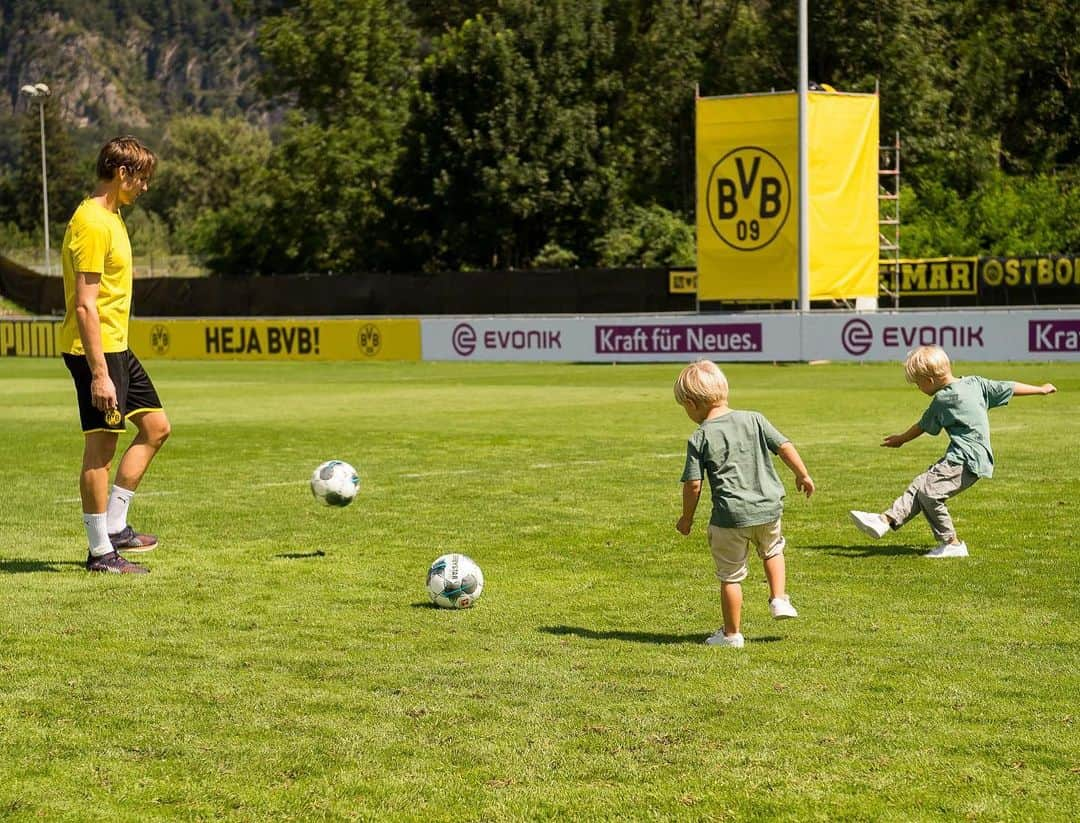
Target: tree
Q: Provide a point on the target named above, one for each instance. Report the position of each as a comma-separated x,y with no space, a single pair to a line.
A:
346,65
1018,71
509,147
206,164
70,178
648,237
657,53
1008,215
435,19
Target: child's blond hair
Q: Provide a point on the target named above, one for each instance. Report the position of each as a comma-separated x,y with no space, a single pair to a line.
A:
928,362
702,384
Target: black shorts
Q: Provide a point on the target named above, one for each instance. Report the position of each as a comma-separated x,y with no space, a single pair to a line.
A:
135,392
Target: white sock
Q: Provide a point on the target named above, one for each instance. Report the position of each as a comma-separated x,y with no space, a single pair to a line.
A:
119,501
97,534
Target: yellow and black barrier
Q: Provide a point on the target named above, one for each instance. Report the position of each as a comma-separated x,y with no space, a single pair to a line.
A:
1055,277
364,338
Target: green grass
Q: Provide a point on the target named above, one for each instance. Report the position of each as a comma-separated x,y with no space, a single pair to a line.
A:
282,660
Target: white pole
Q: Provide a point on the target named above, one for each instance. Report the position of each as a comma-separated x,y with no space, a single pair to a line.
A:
697,246
804,163
45,188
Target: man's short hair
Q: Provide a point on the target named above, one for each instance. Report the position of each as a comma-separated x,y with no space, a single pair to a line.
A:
702,383
125,153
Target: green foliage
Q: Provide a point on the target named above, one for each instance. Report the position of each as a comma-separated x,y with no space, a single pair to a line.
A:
505,133
148,231
206,23
326,184
935,223
232,240
648,237
1024,216
1019,76
1005,216
327,176
70,177
658,59
554,256
341,59
434,19
207,165
508,147
13,238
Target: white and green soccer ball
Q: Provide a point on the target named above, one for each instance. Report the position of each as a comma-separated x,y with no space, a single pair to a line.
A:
454,581
335,483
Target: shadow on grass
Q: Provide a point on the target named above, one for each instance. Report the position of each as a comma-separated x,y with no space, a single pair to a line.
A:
301,555
30,566
632,637
870,550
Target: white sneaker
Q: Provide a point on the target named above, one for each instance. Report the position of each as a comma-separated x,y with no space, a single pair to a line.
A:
734,641
873,525
781,608
949,550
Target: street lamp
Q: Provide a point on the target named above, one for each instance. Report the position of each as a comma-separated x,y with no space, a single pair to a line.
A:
39,91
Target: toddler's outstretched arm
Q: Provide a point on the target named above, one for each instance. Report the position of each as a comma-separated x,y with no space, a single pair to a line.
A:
1022,389
691,491
790,455
895,441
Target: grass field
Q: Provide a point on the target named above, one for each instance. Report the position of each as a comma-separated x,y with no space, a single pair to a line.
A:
282,662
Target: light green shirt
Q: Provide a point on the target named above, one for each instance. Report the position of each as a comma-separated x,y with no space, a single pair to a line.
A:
960,408
734,451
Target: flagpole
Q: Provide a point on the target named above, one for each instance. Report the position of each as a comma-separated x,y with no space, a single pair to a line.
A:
804,162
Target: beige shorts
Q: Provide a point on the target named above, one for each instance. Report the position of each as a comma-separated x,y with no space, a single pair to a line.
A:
731,548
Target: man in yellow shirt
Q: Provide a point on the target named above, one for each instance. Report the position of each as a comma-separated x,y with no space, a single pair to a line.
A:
111,384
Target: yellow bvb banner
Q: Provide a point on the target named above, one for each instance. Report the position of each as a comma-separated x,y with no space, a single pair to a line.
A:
748,200
747,173
224,338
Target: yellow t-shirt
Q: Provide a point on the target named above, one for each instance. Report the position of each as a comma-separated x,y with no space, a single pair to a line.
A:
96,241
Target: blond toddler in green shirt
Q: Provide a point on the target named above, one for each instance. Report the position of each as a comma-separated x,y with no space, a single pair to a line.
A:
733,451
959,407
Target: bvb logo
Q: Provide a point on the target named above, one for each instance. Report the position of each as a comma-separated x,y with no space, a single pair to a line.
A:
369,340
748,198
112,417
159,339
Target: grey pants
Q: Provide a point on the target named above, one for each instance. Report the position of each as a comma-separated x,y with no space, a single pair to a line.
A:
927,494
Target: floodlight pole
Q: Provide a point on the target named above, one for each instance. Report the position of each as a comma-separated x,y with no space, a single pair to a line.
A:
804,161
40,92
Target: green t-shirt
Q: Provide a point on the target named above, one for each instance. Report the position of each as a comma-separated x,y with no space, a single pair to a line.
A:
960,408
734,451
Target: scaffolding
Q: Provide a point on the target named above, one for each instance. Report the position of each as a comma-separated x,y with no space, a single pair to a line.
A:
889,220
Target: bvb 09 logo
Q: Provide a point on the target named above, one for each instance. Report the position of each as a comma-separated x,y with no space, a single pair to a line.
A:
748,198
159,339
369,339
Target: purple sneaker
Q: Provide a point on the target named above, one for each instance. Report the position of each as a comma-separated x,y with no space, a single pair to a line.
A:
129,540
114,563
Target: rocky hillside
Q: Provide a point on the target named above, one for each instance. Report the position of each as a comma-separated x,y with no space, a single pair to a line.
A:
129,65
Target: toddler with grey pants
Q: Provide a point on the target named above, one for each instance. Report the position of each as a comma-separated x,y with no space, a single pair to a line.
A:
959,406
927,495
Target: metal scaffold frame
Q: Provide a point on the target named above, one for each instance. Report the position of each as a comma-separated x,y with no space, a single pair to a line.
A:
889,216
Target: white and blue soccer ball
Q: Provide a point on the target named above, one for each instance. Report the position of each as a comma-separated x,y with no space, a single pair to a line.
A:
335,483
454,581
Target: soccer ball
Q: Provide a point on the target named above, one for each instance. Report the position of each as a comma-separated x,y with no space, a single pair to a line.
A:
454,581
335,483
